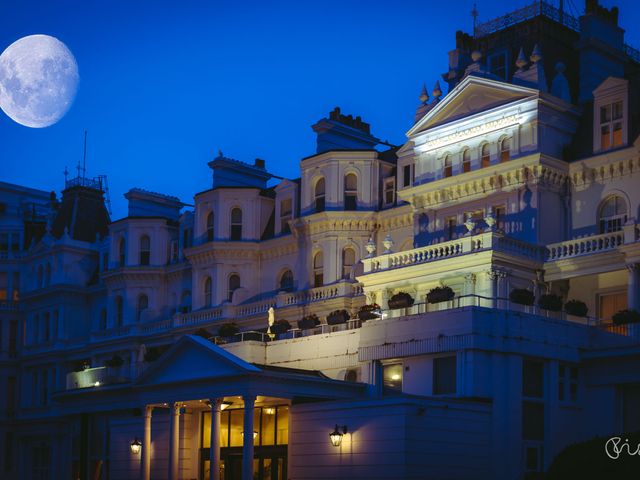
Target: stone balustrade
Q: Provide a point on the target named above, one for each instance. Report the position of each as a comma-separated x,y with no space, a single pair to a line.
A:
585,245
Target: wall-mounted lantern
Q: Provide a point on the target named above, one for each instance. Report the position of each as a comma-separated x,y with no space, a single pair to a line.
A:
136,446
336,435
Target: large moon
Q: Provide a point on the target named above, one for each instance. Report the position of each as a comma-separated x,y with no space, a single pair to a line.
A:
38,80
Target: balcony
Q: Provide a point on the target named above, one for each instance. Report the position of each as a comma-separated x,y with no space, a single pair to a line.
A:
100,376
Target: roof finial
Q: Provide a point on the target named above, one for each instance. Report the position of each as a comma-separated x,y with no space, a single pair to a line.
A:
437,91
424,96
536,55
521,62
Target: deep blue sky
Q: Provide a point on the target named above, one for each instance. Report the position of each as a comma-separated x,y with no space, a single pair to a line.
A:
163,87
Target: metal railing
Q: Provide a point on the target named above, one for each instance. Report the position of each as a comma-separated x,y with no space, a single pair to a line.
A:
526,13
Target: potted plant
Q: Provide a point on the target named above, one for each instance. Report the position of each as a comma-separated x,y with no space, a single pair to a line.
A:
228,330
440,294
626,316
551,302
400,300
576,307
114,362
368,312
522,296
201,332
337,317
280,326
308,321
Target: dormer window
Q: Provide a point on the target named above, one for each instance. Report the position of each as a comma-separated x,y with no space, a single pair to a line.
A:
611,125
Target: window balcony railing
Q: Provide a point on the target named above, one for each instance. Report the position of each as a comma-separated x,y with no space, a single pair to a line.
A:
592,244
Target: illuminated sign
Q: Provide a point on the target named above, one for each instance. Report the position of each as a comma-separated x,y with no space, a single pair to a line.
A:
471,132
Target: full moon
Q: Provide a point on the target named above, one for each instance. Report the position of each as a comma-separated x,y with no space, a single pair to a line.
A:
38,80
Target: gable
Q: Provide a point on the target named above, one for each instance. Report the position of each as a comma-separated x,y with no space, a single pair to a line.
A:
194,358
610,85
473,95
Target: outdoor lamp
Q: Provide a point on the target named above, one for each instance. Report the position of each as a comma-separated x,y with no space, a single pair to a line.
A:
336,435
136,446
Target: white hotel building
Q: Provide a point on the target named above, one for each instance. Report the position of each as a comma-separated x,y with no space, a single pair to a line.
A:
524,176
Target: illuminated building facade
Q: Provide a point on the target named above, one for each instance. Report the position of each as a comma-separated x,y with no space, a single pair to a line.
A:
117,354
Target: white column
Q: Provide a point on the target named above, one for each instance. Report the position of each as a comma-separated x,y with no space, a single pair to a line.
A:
146,444
174,441
247,444
214,445
632,286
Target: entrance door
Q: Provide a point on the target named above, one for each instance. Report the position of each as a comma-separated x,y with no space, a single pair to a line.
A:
266,465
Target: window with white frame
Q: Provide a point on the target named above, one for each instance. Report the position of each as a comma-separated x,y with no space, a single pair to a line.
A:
318,270
348,261
610,118
567,383
389,191
319,195
350,192
612,214
286,209
236,224
407,175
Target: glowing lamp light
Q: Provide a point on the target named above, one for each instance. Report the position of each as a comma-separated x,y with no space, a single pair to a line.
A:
97,384
337,434
136,446
225,405
395,376
269,410
255,434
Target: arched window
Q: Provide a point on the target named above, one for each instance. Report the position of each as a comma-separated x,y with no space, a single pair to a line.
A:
210,227
234,284
350,192
348,261
121,252
103,319
145,250
286,281
185,301
447,167
119,311
466,160
505,150
319,195
485,156
318,270
208,292
143,304
236,224
612,214
40,277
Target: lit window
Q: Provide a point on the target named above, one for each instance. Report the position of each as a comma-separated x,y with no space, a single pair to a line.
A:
143,304
613,214
447,167
466,161
208,291
392,377
485,156
286,210
505,150
348,261
236,224
350,192
145,250
318,270
319,196
611,125
444,375
234,284
210,227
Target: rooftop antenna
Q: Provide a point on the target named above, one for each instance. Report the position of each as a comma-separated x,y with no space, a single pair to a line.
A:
84,156
474,14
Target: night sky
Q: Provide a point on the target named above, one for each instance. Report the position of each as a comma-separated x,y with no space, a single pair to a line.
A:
164,87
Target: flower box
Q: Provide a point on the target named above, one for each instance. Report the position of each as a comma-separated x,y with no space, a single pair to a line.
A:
522,296
576,307
624,317
308,322
440,294
551,302
228,330
338,317
280,327
368,312
400,300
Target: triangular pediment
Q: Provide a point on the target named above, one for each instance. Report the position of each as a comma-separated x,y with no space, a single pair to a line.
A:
472,96
194,358
609,85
